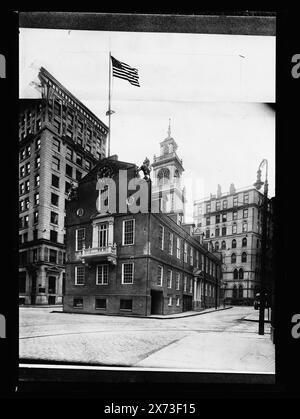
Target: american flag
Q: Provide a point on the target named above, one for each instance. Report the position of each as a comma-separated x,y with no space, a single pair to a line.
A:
124,71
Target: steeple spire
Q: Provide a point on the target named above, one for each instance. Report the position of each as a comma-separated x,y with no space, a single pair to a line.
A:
169,129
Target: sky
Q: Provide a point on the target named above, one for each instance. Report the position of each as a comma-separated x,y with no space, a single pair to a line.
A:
213,88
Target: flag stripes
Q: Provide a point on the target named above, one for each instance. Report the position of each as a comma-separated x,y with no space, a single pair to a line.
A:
125,72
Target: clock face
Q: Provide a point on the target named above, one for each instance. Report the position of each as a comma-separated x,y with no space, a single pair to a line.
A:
80,212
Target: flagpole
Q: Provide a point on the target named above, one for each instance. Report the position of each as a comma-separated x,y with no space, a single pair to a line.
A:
109,109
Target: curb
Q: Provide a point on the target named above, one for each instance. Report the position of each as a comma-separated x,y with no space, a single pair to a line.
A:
148,317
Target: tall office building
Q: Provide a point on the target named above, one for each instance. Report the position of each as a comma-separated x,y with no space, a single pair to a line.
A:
60,141
231,223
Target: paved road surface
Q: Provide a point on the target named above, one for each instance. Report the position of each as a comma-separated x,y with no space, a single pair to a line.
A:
220,340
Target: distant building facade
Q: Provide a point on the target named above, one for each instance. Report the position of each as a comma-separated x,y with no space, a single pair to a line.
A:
121,262
60,141
231,223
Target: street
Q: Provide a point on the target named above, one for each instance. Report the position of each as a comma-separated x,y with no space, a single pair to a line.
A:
217,341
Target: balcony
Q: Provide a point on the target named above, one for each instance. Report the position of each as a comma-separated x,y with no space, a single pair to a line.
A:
97,254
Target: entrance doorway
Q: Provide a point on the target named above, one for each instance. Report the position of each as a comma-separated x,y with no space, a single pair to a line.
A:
187,303
52,285
156,302
51,300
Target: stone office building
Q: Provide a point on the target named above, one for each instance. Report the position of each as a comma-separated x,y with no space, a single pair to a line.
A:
231,223
127,262
60,141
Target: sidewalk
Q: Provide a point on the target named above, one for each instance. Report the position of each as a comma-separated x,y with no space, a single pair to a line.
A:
186,313
254,317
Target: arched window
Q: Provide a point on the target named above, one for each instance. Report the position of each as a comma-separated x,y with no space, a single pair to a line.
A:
163,176
235,274
241,274
244,257
233,244
240,291
234,292
217,245
223,245
233,258
176,176
244,242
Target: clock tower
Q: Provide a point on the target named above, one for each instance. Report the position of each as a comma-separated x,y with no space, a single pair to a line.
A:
167,172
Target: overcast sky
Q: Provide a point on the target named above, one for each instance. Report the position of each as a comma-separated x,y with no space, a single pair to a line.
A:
213,87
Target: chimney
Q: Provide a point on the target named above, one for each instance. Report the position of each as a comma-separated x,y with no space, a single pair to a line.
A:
219,192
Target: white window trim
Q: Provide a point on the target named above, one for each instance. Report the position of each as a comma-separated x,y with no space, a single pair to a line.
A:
178,248
178,302
171,278
76,267
185,284
162,244
191,256
170,301
127,283
76,238
161,276
97,276
123,232
178,282
171,239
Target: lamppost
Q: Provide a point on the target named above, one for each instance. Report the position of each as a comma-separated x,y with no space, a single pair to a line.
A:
258,184
224,296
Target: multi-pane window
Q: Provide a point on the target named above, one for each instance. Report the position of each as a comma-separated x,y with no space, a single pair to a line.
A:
55,163
185,252
234,215
245,227
217,232
233,258
126,304
159,278
223,231
79,275
127,273
223,245
161,237
79,159
234,229
22,171
38,144
37,180
208,220
54,199
28,149
207,207
69,170
88,148
36,198
80,238
100,303
69,153
27,168
53,217
55,181
177,281
67,187
88,165
53,256
218,206
22,205
37,162
224,217
197,257
178,247
170,244
102,234
245,213
56,145
225,204
27,203
177,301
128,231
233,244
246,198
185,284
22,154
191,285
78,302
191,256
169,301
244,257
207,234
169,279
35,217
235,201
53,236
27,186
218,218
26,221
78,175
102,275
22,188
244,242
